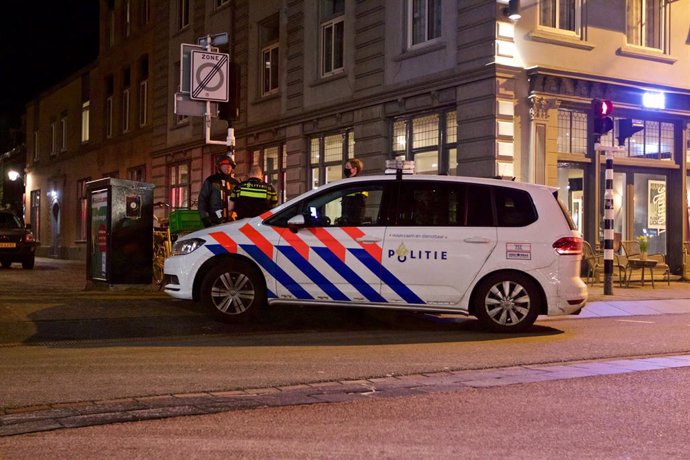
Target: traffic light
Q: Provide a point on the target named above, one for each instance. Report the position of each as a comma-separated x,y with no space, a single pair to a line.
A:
230,111
626,128
601,111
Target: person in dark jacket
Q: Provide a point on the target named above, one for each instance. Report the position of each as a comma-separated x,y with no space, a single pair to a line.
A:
213,197
253,196
353,205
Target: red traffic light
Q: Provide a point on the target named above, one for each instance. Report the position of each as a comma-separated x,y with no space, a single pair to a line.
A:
602,107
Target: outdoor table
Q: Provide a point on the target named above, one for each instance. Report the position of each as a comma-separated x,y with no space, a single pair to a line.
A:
636,263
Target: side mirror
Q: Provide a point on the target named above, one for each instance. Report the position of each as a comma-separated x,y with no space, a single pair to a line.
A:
295,223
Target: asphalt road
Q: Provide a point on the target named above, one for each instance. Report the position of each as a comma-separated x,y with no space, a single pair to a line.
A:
62,346
640,415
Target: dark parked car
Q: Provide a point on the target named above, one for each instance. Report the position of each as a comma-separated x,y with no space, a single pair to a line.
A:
17,243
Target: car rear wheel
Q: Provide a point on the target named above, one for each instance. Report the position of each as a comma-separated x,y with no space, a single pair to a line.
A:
28,263
233,291
507,302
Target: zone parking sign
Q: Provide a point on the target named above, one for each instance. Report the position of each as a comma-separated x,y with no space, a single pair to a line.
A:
209,76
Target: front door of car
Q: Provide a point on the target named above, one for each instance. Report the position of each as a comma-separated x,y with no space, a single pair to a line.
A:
335,256
442,236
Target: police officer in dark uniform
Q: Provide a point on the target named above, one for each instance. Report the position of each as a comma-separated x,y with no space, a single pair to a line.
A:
253,196
353,204
213,197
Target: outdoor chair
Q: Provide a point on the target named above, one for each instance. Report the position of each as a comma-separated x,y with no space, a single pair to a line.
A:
594,263
631,248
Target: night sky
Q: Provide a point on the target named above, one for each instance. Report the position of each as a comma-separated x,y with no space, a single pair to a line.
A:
41,42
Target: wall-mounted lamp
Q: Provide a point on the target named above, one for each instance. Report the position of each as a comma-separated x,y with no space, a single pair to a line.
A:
13,175
512,11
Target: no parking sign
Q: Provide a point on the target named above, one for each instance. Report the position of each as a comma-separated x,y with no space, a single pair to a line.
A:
209,76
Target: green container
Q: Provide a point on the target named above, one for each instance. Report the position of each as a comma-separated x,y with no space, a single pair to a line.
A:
184,220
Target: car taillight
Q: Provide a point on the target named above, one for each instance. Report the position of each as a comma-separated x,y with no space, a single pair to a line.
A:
29,238
568,245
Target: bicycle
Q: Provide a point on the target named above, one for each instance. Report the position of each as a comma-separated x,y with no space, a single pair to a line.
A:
180,222
162,247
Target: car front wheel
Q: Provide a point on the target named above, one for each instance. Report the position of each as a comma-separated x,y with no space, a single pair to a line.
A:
507,302
233,291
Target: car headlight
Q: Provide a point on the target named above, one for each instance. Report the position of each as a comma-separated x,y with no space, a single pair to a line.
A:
182,247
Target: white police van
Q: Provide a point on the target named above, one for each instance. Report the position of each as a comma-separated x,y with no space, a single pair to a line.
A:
502,251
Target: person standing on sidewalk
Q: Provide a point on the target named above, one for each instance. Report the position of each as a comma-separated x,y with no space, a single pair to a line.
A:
214,193
253,196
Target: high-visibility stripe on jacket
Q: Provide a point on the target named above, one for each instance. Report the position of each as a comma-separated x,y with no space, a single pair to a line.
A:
253,197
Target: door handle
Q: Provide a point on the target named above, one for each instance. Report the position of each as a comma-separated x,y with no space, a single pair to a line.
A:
477,239
368,239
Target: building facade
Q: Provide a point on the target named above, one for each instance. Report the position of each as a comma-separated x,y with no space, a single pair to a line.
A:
454,85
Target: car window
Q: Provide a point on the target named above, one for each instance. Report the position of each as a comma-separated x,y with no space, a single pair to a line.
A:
444,204
356,205
9,221
514,208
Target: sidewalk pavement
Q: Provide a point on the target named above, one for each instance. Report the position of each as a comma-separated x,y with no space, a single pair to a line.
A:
663,298
635,300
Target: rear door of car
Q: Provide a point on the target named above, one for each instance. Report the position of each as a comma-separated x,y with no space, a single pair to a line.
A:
443,234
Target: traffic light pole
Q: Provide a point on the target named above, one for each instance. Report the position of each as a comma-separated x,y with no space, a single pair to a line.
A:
608,214
230,140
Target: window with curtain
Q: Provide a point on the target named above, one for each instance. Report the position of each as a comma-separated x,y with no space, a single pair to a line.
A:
560,14
646,23
270,53
85,120
332,36
424,22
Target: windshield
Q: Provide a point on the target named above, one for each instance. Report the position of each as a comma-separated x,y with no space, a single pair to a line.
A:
8,220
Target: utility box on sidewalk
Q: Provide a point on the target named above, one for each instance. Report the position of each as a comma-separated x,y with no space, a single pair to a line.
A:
120,231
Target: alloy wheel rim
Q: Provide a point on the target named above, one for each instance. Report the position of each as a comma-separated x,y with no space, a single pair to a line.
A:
233,293
507,303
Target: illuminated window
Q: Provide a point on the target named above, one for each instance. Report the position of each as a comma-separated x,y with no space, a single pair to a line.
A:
180,185
53,139
429,139
63,133
572,132
328,154
274,164
85,120
82,208
654,142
